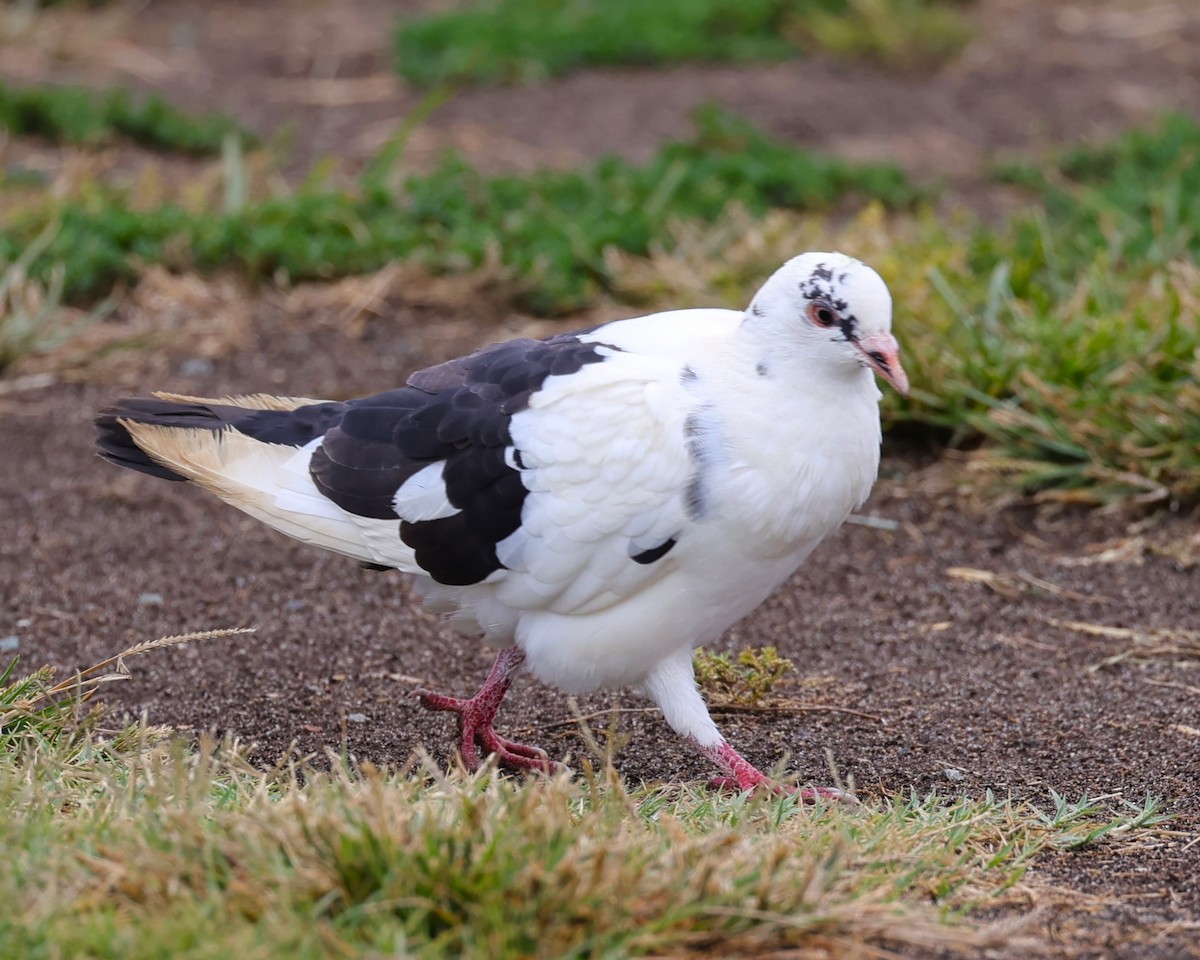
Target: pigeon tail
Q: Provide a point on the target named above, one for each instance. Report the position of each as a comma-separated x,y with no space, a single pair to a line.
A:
288,421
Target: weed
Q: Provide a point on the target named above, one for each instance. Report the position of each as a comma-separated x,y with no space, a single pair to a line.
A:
79,116
513,41
901,34
746,680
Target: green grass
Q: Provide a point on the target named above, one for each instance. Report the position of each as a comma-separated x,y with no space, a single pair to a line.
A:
1134,200
551,231
524,40
1100,291
87,117
129,844
507,41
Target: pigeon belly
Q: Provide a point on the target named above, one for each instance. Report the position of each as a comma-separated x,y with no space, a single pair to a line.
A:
691,605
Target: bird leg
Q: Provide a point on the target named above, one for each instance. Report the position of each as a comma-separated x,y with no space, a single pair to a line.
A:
475,718
672,685
745,776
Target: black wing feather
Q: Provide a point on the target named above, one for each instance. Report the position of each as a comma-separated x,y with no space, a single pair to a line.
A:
457,413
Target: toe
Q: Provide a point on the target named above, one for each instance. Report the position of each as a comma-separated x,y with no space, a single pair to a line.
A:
828,794
438,701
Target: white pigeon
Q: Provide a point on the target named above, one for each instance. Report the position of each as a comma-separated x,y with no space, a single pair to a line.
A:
597,503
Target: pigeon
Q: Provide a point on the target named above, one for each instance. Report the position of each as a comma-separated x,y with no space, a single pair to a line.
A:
595,504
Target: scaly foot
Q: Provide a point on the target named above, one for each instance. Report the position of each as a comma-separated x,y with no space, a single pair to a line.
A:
475,730
475,718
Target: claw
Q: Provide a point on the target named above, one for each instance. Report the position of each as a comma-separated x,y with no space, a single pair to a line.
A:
745,776
806,794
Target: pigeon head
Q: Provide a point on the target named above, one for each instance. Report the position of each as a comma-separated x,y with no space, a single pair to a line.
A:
830,307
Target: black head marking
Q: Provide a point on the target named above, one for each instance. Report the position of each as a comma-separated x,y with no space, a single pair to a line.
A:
848,324
687,375
761,368
757,310
818,288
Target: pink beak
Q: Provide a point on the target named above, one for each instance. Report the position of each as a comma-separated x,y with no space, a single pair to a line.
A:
882,354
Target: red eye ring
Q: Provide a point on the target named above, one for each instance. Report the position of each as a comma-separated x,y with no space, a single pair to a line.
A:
822,314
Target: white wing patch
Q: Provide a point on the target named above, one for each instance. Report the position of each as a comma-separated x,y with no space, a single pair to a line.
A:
423,496
606,466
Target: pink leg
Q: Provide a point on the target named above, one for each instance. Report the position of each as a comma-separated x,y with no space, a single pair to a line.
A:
745,776
475,718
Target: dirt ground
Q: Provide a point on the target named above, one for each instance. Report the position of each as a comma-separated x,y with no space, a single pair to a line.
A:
911,676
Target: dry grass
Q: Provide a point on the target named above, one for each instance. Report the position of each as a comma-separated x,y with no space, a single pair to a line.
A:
33,319
36,705
130,844
1177,643
900,34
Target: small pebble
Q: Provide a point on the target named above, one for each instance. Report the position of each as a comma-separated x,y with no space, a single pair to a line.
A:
357,717
952,774
295,605
10,643
196,367
150,600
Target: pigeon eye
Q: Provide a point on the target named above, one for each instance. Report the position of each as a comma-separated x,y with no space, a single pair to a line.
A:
822,314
